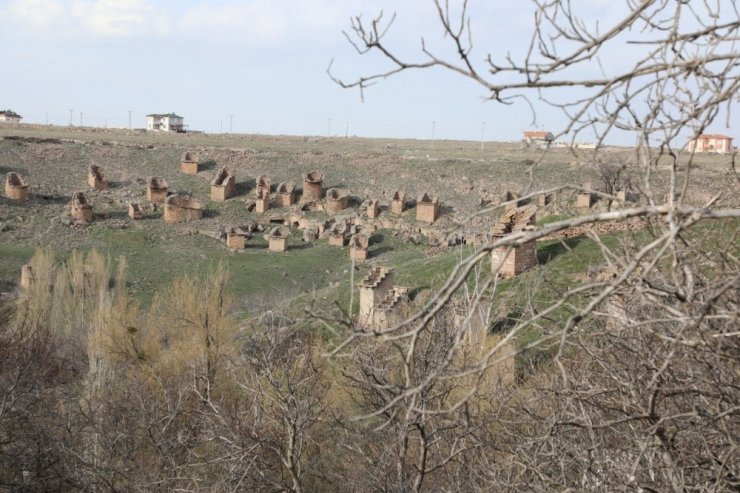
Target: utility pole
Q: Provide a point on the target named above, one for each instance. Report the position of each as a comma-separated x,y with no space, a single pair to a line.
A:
129,119
80,118
71,123
346,131
231,123
482,131
105,125
328,130
434,126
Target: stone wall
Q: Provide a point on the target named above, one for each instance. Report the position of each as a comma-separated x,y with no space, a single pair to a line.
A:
336,200
285,194
374,288
427,209
178,209
398,204
189,164
519,259
223,186
313,183
156,190
373,209
96,179
80,208
16,187
135,211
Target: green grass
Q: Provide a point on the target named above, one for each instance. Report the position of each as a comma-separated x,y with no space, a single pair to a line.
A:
12,257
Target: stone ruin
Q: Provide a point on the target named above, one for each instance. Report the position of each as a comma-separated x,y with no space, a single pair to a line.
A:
544,199
313,183
262,204
285,194
358,249
373,208
312,206
338,234
382,304
189,164
427,209
156,190
80,208
519,258
336,200
398,204
263,184
135,211
584,199
512,201
223,185
16,188
278,239
236,238
96,179
27,277
181,208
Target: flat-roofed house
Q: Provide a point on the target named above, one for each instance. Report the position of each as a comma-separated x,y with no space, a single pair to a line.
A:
720,144
167,122
9,116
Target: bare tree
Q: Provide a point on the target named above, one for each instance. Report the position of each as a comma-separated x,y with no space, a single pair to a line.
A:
639,362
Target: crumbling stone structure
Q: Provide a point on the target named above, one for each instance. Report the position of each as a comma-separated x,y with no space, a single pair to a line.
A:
313,184
285,194
278,239
135,211
373,208
16,188
338,234
427,209
27,277
80,208
96,179
512,201
381,304
336,200
514,260
223,185
398,204
181,208
156,190
263,184
262,204
393,310
359,244
584,199
236,238
189,164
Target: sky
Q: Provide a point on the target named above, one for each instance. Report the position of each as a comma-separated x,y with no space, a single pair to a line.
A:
259,66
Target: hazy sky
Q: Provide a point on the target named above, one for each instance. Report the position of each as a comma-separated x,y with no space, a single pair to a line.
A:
263,61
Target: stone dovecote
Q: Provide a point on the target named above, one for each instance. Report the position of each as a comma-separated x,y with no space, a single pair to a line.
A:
16,188
180,208
427,209
313,184
508,261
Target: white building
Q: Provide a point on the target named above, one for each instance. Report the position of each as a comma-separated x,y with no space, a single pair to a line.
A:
720,144
169,122
9,116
